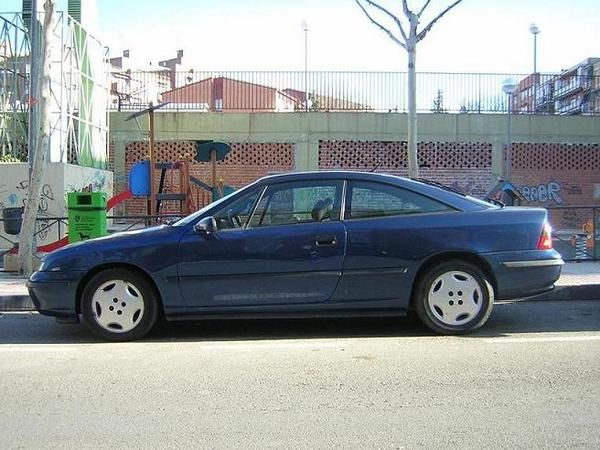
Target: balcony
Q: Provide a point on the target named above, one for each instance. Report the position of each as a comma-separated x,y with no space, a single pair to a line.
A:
571,105
568,86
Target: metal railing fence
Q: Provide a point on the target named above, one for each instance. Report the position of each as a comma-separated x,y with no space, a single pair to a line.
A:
288,91
576,231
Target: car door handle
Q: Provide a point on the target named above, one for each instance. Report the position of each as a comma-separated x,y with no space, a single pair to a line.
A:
325,240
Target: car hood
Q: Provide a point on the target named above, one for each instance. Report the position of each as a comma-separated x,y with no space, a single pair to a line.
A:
117,247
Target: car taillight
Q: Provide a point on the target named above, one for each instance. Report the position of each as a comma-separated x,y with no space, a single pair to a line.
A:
545,242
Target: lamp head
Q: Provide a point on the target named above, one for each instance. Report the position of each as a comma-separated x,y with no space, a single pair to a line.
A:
509,86
534,29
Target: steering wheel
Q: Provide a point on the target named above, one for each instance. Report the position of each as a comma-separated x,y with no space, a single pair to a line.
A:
233,219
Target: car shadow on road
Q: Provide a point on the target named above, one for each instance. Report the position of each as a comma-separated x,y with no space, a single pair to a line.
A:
507,319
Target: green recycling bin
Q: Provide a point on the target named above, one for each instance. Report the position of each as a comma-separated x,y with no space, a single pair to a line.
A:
87,215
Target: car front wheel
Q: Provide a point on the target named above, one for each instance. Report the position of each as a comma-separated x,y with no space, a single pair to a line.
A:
119,305
454,297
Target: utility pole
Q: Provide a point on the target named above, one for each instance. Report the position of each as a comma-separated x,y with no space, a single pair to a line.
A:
305,29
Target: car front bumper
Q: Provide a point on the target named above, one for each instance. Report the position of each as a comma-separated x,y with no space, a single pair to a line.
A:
54,293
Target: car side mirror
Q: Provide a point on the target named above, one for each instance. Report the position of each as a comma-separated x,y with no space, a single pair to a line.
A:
207,225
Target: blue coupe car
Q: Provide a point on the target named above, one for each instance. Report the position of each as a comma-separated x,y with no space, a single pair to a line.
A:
308,245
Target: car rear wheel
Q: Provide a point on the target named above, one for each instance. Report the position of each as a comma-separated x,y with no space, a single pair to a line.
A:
119,305
454,297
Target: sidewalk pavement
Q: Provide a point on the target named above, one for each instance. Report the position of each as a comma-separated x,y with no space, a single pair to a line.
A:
578,281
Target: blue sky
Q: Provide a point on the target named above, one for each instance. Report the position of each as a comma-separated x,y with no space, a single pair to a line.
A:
477,36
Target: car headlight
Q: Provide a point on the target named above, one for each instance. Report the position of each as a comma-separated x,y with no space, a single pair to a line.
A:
47,266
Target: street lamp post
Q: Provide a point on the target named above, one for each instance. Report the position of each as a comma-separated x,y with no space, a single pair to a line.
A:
509,87
305,29
534,29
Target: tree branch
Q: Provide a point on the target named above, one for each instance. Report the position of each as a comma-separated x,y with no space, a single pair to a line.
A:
423,8
407,11
425,30
381,27
393,16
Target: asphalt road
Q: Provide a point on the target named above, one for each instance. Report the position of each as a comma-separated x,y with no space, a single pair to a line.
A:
529,379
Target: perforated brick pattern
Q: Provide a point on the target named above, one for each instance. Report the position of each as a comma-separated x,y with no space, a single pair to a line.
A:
392,155
542,156
464,165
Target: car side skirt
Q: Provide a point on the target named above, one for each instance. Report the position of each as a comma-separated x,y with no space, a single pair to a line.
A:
307,314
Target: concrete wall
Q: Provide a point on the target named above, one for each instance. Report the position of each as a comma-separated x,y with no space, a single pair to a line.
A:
58,179
305,130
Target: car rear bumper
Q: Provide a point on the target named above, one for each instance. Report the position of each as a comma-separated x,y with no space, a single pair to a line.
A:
54,293
524,274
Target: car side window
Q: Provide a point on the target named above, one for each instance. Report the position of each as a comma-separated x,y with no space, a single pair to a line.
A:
236,214
368,199
300,202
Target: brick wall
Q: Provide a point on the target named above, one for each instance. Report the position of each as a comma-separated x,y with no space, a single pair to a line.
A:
244,164
464,165
553,175
556,174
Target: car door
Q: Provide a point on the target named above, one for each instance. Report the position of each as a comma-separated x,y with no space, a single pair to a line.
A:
387,228
286,249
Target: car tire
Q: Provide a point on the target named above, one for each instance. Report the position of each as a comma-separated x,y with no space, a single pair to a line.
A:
454,297
119,305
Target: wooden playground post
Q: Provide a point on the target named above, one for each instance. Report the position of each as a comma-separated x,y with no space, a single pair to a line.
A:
151,151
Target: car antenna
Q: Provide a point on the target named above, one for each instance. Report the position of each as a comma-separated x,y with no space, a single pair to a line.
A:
376,167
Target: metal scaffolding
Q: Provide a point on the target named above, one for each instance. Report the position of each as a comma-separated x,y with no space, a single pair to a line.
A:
79,92
14,86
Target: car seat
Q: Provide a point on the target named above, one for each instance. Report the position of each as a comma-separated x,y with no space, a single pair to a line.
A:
322,210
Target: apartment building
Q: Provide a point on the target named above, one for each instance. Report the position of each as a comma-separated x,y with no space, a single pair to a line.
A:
572,91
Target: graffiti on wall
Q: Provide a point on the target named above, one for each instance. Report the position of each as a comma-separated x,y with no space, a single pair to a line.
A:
46,196
543,193
15,197
96,182
50,223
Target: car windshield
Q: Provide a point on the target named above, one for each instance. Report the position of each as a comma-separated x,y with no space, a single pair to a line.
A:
193,216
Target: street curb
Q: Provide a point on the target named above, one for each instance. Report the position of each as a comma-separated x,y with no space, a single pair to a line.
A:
16,303
565,293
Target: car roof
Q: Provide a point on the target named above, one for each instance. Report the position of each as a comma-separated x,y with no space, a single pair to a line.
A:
455,199
327,174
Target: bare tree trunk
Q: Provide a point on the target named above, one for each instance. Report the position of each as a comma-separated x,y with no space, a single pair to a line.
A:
26,242
413,166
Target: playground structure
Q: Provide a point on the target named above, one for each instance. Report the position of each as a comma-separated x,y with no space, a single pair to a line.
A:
175,181
142,175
